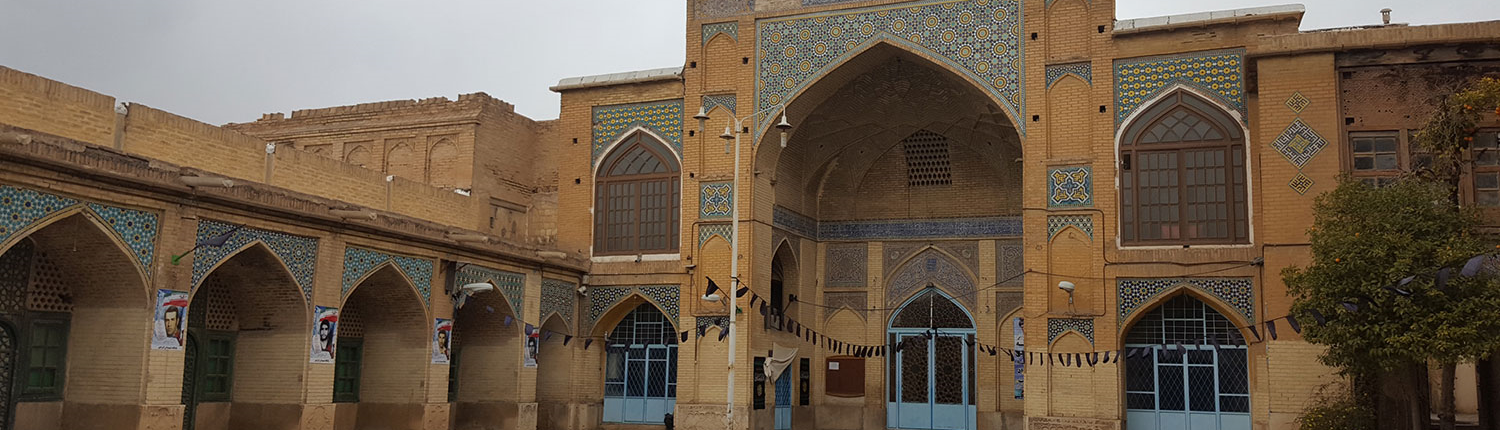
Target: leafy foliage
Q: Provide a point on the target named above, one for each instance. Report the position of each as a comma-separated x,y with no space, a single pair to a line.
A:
1364,239
1340,413
1449,133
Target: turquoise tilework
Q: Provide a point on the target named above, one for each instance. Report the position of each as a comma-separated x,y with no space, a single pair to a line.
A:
558,297
1084,71
706,231
20,208
511,285
1057,326
298,253
716,200
731,29
1056,224
1217,73
665,297
1238,293
359,262
978,38
720,8
727,101
1070,187
661,117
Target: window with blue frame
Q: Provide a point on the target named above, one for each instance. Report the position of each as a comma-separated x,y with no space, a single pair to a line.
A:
640,375
1205,385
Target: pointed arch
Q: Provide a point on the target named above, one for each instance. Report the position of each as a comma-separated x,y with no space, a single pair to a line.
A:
624,306
644,136
1186,289
935,267
934,294
390,274
443,166
637,197
259,246
359,156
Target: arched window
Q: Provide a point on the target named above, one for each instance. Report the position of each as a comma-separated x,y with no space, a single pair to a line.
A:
1182,169
1188,369
636,199
640,372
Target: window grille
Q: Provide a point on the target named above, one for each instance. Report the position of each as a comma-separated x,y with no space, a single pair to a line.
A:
927,159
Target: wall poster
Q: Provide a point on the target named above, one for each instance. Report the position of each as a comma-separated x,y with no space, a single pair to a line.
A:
533,341
325,334
170,320
1020,337
442,341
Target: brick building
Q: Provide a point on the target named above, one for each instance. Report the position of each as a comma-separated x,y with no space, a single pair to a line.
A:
950,167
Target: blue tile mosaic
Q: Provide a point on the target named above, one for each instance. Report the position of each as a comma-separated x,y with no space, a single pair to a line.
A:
511,285
1057,326
661,117
978,38
1238,293
716,200
794,222
1084,71
731,29
707,231
1070,187
558,297
21,208
1301,183
136,228
1217,73
1056,224
298,253
930,267
726,101
1299,143
721,8
988,227
707,322
665,297
359,262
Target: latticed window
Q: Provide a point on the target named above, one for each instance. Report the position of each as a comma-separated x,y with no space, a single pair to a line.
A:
1208,378
46,358
346,369
637,194
927,159
1486,151
1182,171
640,368
217,361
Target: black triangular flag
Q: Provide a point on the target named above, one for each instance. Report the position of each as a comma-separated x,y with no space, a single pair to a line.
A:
684,336
1271,329
742,291
1292,321
1318,316
711,287
587,342
566,339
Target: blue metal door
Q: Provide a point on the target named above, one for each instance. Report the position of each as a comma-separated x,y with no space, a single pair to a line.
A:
640,381
784,401
932,374
1189,371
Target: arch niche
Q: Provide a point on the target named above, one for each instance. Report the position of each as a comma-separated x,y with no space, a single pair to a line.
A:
384,350
931,379
243,318
487,357
640,362
1188,365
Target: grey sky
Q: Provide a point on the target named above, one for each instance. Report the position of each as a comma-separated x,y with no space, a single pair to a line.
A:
229,61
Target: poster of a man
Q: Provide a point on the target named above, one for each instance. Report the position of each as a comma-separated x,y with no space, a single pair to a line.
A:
533,343
325,334
171,320
442,341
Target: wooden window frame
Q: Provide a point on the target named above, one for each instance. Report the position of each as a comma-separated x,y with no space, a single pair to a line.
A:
48,393
205,355
1471,180
606,244
356,362
1236,177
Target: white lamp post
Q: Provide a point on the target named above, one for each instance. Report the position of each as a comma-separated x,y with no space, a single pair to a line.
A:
732,136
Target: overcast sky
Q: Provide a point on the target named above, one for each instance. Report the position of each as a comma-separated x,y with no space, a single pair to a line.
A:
229,61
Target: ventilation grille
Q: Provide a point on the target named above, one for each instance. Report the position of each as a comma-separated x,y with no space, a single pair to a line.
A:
927,162
219,307
350,323
48,291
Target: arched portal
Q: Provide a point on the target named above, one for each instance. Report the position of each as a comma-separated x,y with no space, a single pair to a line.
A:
640,368
931,377
72,289
487,344
383,348
1207,387
243,318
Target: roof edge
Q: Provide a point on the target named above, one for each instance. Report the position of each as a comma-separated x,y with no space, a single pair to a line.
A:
1170,22
633,77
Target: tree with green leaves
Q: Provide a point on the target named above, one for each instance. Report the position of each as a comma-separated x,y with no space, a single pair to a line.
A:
1378,275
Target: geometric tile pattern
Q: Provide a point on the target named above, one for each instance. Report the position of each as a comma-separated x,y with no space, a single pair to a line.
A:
1297,102
711,321
1010,264
136,228
1057,326
727,101
1299,143
1070,187
1238,293
1056,223
1217,73
1050,2
664,297
716,200
846,263
969,228
707,231
15,276
359,262
930,267
856,301
21,207
794,222
511,285
298,253
558,298
661,117
718,8
1083,70
731,29
978,38
1301,183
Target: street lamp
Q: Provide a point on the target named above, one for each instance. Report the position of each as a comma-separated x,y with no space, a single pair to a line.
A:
731,136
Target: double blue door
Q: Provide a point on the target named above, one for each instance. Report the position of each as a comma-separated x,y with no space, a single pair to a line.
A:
784,401
933,387
640,381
